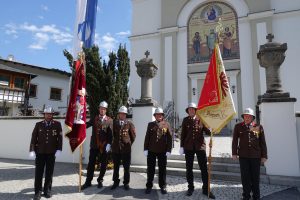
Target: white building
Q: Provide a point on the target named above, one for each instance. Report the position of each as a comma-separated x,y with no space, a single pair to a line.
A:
167,28
48,87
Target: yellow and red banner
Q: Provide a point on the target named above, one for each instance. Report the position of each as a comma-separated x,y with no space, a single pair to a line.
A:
76,115
215,106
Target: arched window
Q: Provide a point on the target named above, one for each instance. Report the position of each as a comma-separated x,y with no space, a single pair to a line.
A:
202,35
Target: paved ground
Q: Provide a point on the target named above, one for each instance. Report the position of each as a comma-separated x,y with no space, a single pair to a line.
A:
16,182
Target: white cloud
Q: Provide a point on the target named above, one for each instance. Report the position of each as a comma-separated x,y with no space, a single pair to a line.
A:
41,17
108,43
41,41
41,35
44,7
123,33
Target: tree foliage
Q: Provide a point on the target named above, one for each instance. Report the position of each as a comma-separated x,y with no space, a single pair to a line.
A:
107,81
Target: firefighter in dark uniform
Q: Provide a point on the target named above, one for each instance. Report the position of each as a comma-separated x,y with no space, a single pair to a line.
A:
192,142
123,138
45,145
249,145
158,144
99,146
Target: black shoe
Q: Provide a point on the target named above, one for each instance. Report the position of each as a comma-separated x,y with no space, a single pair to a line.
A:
100,185
47,194
126,187
85,185
37,196
114,186
163,190
211,195
189,192
148,190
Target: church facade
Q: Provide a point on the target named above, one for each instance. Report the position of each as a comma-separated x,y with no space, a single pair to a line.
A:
180,35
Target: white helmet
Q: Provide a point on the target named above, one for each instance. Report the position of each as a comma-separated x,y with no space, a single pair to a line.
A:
158,111
123,109
48,109
103,104
248,111
191,105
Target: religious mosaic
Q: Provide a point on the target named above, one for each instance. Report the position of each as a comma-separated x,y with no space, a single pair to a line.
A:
202,34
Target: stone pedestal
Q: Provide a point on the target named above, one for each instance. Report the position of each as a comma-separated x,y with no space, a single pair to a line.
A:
142,115
298,132
278,120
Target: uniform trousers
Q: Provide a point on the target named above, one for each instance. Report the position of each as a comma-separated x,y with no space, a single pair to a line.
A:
162,165
102,157
125,158
202,162
43,161
250,172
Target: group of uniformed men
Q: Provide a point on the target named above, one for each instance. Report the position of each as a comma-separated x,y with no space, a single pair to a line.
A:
118,136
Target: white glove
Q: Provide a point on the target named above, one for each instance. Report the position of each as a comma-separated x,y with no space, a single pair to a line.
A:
57,153
203,147
108,148
181,151
32,154
146,153
168,154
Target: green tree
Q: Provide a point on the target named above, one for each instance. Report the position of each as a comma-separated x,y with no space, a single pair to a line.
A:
122,77
107,82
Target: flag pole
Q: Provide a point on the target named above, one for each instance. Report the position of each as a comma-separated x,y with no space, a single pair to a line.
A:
209,163
82,59
80,166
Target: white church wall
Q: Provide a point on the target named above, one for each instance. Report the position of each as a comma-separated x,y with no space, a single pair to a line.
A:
286,5
182,78
240,7
138,48
146,16
261,39
168,74
248,99
245,50
286,29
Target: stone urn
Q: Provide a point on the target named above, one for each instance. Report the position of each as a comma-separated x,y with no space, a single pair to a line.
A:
146,70
271,55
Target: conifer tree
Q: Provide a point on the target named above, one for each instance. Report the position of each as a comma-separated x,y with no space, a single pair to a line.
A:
107,82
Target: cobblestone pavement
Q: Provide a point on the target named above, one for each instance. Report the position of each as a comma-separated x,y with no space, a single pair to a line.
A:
16,182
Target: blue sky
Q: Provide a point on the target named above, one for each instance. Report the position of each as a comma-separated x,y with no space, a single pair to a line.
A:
37,31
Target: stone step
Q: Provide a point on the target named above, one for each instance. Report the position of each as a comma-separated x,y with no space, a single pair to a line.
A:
222,167
216,175
214,159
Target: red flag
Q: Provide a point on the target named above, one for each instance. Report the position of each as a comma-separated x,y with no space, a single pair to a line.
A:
215,106
76,116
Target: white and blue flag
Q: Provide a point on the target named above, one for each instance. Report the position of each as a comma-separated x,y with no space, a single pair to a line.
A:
85,23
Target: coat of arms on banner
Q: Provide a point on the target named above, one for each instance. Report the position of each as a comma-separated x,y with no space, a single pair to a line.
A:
79,106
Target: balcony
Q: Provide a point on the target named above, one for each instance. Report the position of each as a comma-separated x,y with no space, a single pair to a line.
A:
11,95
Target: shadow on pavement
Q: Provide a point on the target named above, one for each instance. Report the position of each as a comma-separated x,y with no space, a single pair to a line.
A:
137,190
